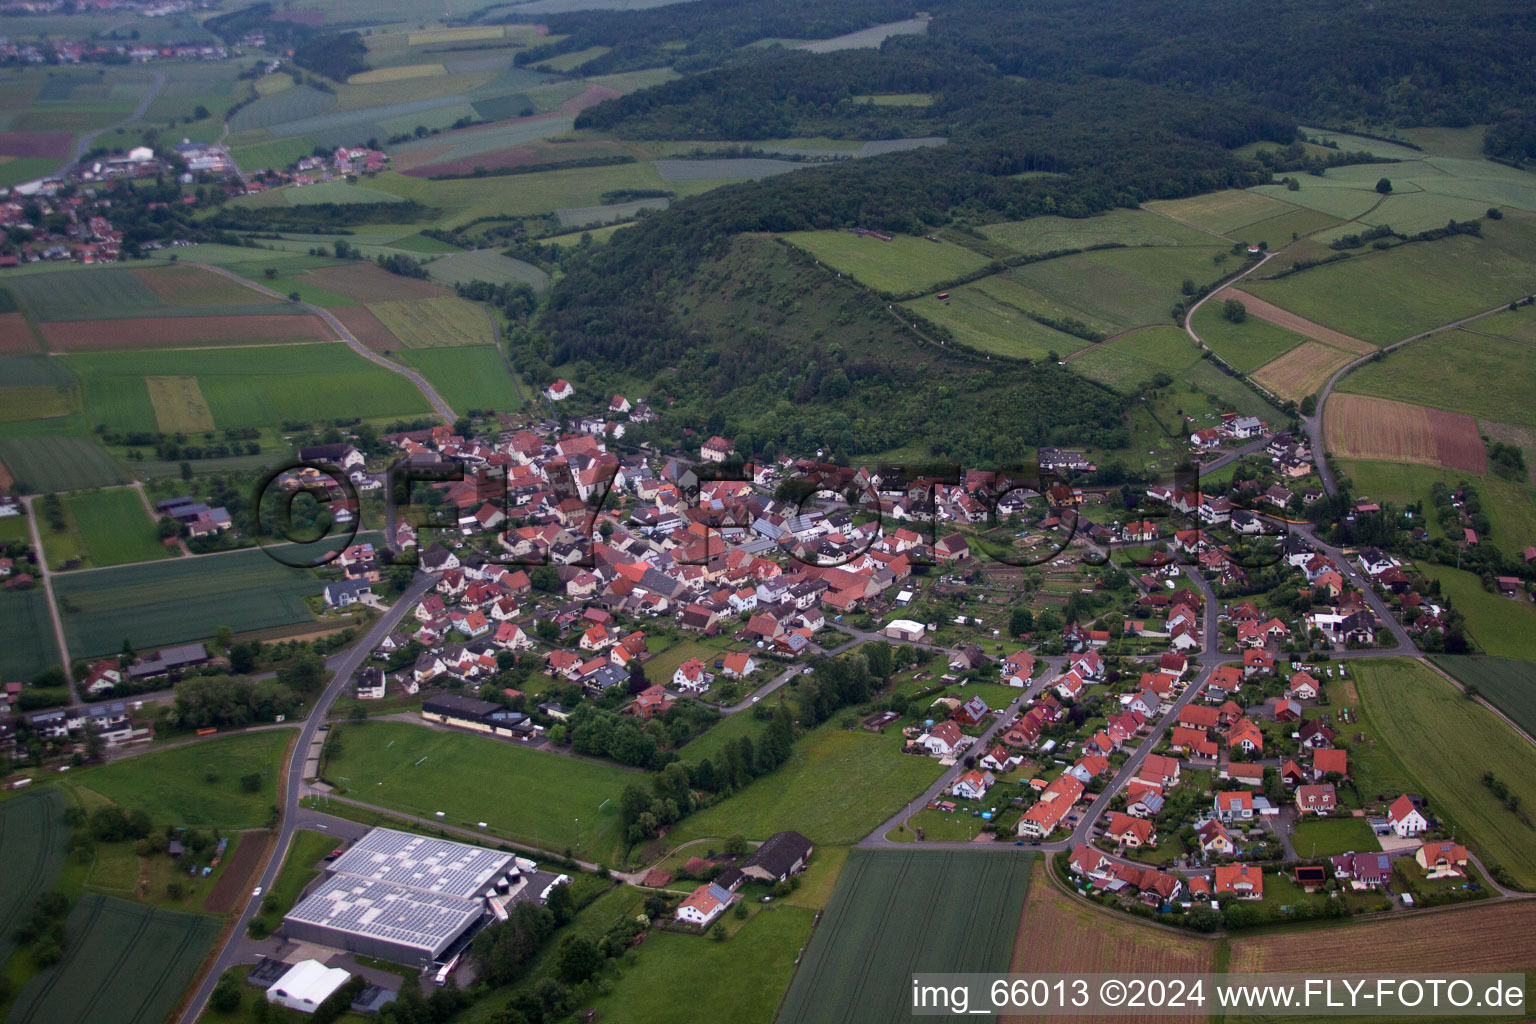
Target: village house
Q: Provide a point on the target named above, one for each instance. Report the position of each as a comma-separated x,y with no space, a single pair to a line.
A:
1405,819
1245,881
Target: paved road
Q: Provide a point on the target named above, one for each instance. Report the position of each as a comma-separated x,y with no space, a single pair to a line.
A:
343,666
443,408
84,142
1189,317
53,605
1314,423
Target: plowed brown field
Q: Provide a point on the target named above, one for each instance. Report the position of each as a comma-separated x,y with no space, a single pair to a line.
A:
1060,936
368,283
182,332
367,328
1358,427
15,336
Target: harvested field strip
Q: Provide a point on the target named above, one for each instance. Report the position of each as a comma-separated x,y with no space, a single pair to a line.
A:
1291,322
366,282
366,328
183,331
435,323
1468,940
16,337
179,405
1302,370
231,886
37,145
1058,935
1358,427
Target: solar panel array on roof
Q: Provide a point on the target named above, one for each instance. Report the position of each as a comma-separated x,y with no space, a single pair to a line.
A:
389,912
421,862
399,895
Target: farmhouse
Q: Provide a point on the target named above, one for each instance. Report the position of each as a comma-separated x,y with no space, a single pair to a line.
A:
703,905
782,855
401,897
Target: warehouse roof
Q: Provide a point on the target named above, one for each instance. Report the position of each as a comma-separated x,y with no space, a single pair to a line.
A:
396,913
421,862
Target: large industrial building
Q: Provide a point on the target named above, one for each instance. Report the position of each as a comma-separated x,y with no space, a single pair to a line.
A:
402,897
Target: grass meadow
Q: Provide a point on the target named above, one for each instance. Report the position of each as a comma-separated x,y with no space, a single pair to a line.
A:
1040,235
1245,346
903,265
114,527
531,796
1508,506
837,786
1473,370
1447,762
197,785
1501,626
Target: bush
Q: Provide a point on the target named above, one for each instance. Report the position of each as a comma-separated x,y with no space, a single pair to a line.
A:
226,995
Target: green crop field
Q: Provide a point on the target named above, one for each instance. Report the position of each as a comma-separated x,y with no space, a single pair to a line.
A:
711,973
1245,346
485,265
1040,235
1472,371
59,463
1222,213
435,323
898,912
1501,626
336,192
1130,362
550,801
903,265
836,787
125,964
27,646
1329,837
1383,297
85,294
1509,506
33,835
1448,761
469,377
1506,683
114,527
248,386
180,600
197,785
1122,287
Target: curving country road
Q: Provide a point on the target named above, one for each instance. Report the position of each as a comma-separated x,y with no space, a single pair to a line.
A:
442,407
343,666
84,142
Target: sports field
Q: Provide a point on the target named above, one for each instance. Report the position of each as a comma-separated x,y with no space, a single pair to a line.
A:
1040,235
905,264
468,377
549,801
59,463
125,964
1506,683
895,913
1357,427
244,387
1479,371
197,785
33,836
1384,297
114,527
435,323
180,600
1448,761
836,787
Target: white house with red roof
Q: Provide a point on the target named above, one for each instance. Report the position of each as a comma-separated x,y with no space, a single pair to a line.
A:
1405,819
691,677
559,391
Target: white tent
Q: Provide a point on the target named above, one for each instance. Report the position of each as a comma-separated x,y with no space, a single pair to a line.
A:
306,985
